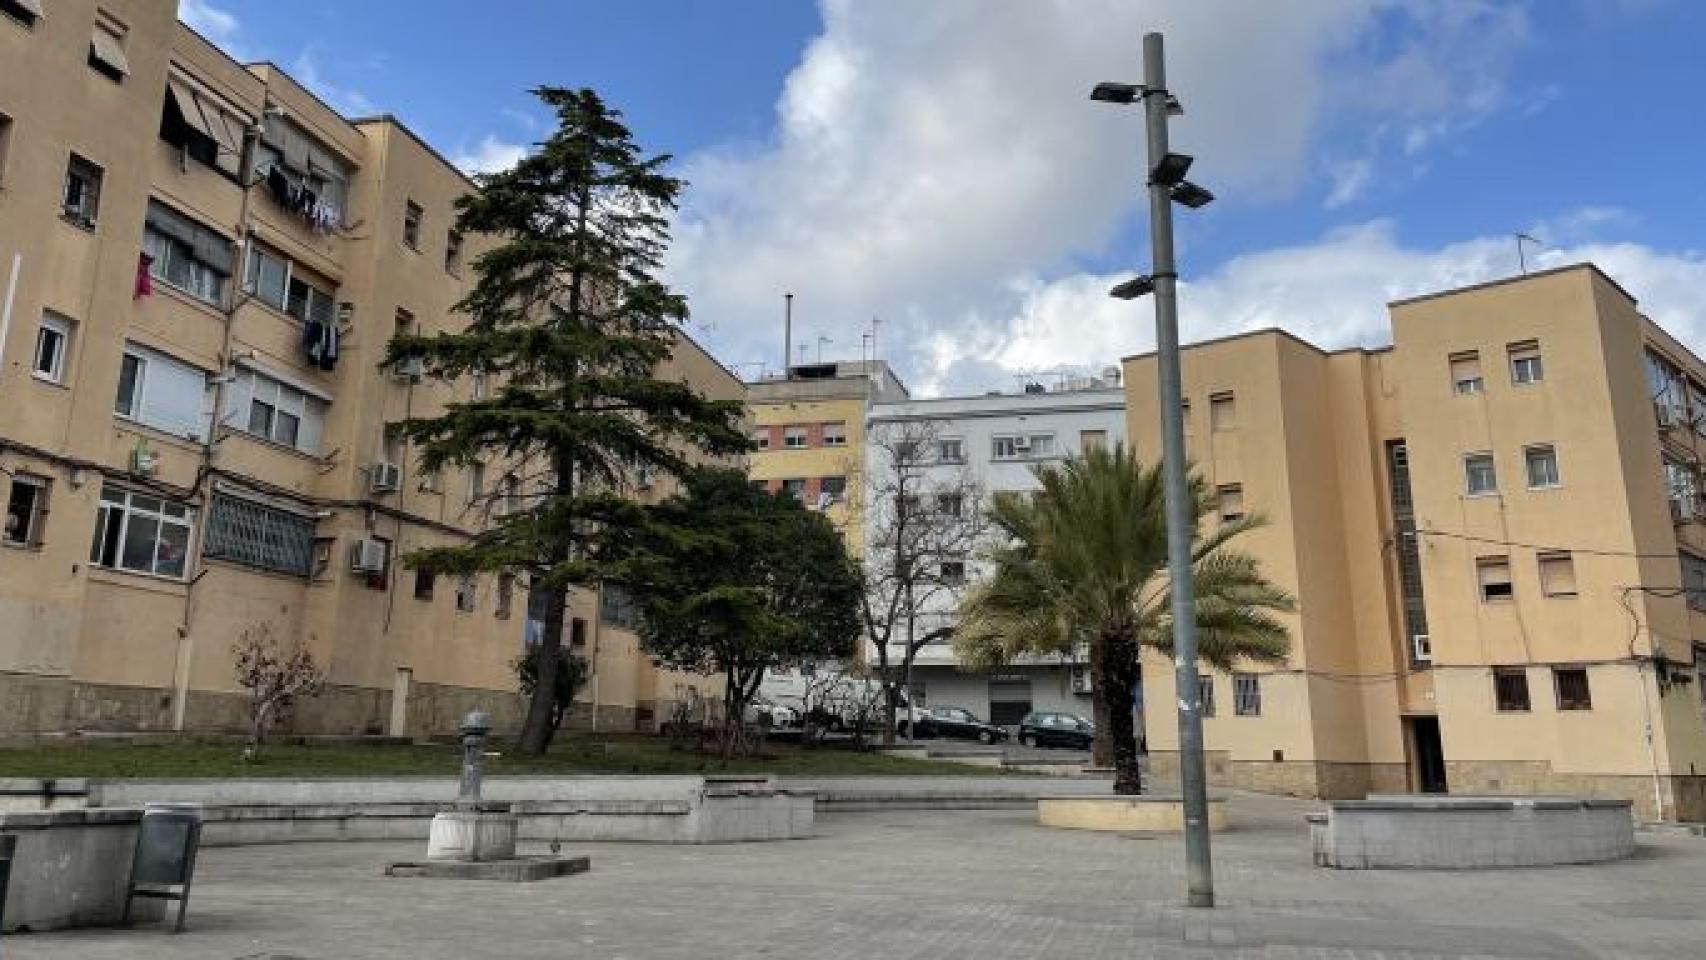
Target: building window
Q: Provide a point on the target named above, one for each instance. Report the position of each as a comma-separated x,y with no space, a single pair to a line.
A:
466,586
1681,480
835,488
1089,440
950,504
26,510
82,200
204,128
953,572
1230,498
577,632
160,392
1205,693
761,438
1466,372
1694,582
1030,446
506,596
1542,463
835,434
794,437
1222,412
795,487
106,50
26,12
1571,684
453,253
53,343
1494,576
185,255
278,412
256,535
141,533
5,135
951,450
274,281
302,176
1510,689
424,580
476,482
1479,476
617,607
1247,694
1557,575
412,216
510,488
1525,363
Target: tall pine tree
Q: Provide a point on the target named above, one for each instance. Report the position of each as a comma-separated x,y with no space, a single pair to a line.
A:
569,321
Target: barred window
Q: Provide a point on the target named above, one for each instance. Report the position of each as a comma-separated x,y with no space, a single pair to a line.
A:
618,607
1247,694
249,533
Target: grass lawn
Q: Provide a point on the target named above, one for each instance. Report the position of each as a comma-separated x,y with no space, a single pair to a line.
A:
574,752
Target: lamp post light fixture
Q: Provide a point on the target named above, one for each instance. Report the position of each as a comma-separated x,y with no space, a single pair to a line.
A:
1167,186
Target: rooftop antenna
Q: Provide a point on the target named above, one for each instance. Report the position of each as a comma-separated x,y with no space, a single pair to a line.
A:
1521,261
787,335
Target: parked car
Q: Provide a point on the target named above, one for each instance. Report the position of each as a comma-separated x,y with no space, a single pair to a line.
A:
1044,729
958,724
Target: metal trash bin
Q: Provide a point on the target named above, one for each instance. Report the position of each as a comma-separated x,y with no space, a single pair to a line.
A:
166,846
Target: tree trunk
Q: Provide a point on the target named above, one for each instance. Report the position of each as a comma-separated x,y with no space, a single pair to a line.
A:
891,703
1118,677
1101,748
538,730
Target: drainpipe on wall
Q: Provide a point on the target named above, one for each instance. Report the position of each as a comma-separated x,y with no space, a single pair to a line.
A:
6,311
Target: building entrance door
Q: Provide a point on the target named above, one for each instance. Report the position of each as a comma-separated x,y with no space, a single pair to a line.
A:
1009,700
1427,758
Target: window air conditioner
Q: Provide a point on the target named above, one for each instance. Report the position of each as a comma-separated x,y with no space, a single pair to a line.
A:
409,368
367,556
1022,445
1422,648
143,461
384,477
1081,682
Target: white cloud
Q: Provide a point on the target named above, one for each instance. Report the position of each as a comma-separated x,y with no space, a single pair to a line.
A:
346,100
218,25
490,155
936,164
1350,179
1332,292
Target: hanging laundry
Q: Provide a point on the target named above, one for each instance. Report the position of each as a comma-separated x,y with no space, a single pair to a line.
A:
144,276
329,346
279,186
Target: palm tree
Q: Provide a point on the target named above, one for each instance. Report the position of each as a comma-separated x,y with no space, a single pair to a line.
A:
1085,564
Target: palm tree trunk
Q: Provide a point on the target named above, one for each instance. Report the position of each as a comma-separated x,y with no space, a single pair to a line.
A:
1101,748
1118,679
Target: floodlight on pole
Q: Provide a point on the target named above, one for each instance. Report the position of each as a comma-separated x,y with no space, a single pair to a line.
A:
1170,169
1117,92
1188,194
1133,288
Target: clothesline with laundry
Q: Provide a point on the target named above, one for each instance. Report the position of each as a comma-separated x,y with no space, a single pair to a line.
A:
322,215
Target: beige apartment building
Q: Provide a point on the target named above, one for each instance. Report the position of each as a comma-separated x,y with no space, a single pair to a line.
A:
1494,529
200,266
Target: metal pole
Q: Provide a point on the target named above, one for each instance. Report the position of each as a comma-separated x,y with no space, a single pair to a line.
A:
1199,871
787,336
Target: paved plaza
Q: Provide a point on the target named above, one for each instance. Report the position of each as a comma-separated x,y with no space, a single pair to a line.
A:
939,884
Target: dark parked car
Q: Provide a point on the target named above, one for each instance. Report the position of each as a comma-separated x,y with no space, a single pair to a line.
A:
957,724
1043,729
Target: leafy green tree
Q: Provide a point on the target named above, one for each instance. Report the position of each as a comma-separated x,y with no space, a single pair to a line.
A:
571,676
569,321
732,580
1085,564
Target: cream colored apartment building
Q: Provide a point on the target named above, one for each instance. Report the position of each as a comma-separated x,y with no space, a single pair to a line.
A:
1496,534
200,266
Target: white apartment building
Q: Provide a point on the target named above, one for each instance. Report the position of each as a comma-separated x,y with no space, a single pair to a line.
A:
992,443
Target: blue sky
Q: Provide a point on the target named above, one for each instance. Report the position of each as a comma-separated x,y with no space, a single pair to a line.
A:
936,165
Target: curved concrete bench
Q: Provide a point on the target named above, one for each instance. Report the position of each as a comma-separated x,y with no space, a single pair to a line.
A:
1124,814
1453,833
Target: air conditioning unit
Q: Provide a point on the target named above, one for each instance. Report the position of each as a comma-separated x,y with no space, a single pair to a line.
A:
1669,415
1422,648
143,461
367,556
1081,682
1022,445
384,477
409,368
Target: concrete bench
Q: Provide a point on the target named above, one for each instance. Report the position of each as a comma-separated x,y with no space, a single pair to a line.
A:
72,868
1439,832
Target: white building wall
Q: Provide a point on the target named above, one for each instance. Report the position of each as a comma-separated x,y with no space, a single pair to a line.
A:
1067,418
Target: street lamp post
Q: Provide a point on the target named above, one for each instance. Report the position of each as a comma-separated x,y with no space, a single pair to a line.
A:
1167,185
